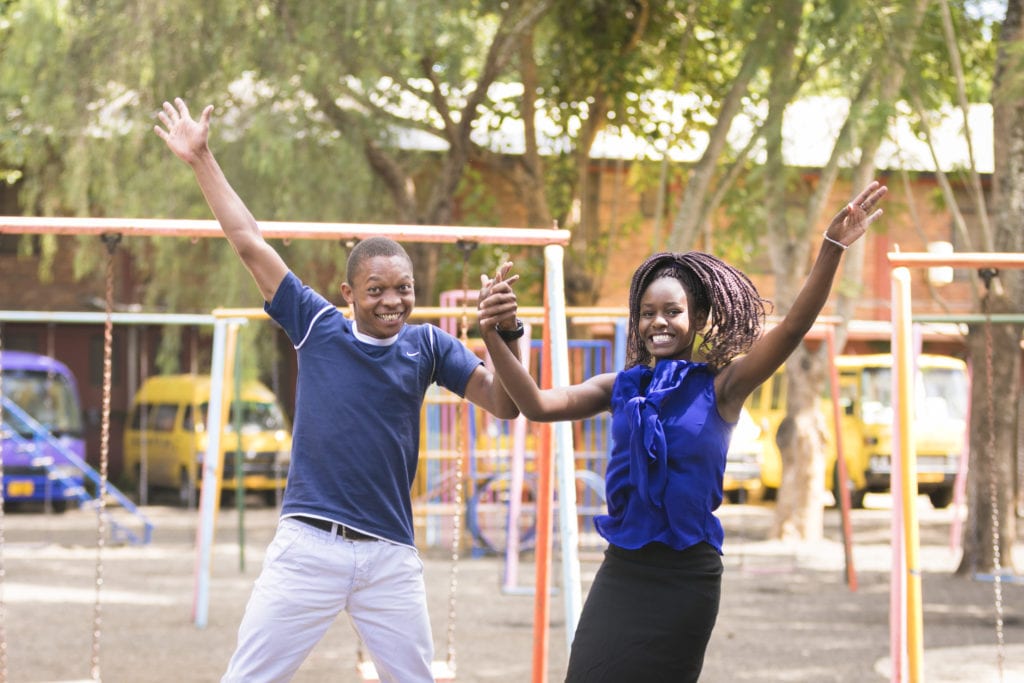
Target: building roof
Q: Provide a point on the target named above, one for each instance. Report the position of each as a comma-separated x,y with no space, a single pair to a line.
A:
810,128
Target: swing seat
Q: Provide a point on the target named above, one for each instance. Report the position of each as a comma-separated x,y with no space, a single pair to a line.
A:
441,670
1004,577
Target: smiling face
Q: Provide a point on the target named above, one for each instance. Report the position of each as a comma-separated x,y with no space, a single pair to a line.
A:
382,295
664,323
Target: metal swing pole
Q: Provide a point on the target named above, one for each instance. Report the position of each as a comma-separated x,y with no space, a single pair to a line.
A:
225,334
911,624
904,418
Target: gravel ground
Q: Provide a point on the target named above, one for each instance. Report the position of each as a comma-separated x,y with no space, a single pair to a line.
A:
787,614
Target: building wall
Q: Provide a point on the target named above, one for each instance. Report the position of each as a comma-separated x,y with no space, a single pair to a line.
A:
911,221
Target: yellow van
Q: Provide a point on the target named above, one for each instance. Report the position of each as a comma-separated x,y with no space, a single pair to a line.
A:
744,460
865,398
165,437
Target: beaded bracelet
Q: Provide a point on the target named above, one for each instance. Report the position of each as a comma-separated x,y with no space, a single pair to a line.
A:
835,242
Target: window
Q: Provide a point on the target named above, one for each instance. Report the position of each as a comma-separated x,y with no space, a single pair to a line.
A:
158,417
255,416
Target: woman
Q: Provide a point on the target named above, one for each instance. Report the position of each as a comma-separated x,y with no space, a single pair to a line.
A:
654,600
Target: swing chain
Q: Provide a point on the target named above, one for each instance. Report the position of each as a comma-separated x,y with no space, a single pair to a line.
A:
111,240
3,541
461,444
461,428
987,274
467,250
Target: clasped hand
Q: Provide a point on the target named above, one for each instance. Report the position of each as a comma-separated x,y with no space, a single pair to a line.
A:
497,304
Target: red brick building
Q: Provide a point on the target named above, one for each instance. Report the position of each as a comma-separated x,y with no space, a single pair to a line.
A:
911,222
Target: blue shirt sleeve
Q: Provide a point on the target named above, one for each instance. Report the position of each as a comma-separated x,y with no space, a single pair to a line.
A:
454,363
296,307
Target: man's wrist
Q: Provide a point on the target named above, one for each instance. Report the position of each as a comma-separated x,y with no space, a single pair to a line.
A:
513,334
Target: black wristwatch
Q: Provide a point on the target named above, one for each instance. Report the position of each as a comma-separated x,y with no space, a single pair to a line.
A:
513,334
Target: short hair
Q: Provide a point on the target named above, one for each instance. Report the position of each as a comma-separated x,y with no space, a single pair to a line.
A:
372,247
721,297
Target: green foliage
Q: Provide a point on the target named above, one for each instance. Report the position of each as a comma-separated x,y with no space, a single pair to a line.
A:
931,75
303,89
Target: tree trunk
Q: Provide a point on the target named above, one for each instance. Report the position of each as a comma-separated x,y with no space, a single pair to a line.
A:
995,350
991,508
801,440
809,461
692,207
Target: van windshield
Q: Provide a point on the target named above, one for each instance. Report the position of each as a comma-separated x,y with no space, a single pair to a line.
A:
48,398
940,394
264,417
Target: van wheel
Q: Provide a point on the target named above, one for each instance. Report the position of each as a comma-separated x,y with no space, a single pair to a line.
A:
941,498
856,495
737,496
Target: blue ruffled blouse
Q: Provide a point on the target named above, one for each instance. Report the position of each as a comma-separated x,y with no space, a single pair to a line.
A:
665,471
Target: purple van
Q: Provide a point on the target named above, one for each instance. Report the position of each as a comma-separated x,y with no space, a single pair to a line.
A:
42,433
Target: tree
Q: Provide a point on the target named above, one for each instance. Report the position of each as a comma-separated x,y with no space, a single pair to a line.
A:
598,66
313,101
796,47
798,512
856,51
995,350
992,486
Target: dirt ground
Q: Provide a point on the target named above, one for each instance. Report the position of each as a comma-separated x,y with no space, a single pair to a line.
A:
787,611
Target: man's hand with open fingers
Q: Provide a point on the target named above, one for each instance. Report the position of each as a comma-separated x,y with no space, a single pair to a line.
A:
186,137
497,304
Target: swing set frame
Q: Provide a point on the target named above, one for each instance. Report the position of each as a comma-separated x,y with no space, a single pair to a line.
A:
906,621
555,442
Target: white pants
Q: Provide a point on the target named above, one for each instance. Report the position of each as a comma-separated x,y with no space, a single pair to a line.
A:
308,577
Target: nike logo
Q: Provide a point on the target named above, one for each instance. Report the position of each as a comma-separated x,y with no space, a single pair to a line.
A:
412,354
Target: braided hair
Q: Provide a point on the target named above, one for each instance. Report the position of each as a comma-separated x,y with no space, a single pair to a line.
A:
723,301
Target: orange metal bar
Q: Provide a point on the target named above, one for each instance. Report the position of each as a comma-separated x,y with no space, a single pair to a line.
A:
534,314
843,475
545,495
165,227
961,260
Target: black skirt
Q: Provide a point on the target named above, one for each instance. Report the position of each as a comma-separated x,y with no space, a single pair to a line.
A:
648,616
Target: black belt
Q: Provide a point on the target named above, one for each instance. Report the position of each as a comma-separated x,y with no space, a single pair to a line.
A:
327,525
